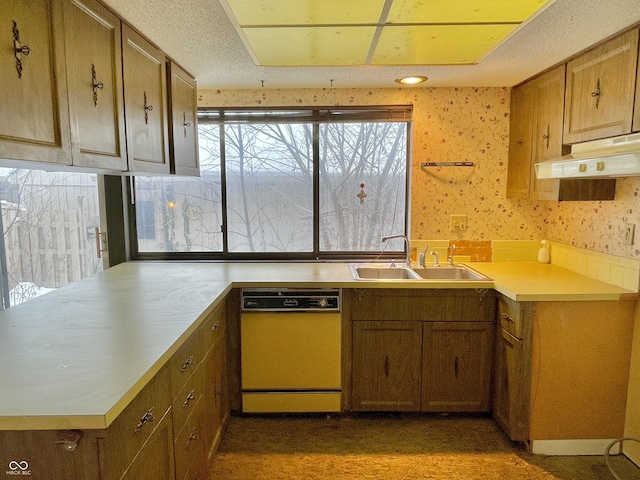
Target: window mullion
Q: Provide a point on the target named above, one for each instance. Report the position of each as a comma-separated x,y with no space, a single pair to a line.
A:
223,191
316,189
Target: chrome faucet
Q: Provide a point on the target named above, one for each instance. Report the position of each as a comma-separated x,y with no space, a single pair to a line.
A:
422,256
406,241
436,262
453,249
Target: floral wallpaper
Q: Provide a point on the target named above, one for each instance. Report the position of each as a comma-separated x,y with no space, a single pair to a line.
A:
468,125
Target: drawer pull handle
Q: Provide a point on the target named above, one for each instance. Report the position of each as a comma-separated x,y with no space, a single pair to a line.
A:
188,361
215,326
455,367
507,318
191,438
147,417
386,366
191,396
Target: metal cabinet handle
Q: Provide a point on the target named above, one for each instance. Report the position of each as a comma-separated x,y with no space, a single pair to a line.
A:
191,438
215,326
596,94
185,124
188,361
19,50
546,136
96,85
147,417
147,109
507,318
190,397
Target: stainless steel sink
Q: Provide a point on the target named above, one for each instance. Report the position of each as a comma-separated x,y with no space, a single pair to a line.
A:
387,272
458,272
382,272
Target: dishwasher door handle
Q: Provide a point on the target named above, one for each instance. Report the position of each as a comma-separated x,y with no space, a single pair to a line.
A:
290,302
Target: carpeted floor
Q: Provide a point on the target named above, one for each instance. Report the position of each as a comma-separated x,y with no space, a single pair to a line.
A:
390,447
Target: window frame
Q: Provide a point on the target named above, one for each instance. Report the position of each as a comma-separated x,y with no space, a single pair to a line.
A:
297,114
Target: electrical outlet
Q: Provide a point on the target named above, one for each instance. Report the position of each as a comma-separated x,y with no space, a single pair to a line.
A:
629,230
458,223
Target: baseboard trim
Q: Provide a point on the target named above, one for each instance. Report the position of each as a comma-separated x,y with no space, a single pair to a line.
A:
574,447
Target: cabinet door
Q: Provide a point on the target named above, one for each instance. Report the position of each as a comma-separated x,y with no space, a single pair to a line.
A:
144,71
456,374
155,459
184,128
520,141
215,398
547,135
34,119
386,366
94,75
506,384
599,93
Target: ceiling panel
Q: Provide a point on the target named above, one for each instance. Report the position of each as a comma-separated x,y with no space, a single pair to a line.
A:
437,45
463,11
304,46
409,32
305,12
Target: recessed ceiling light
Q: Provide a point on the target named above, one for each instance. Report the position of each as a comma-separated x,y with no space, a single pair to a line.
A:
413,80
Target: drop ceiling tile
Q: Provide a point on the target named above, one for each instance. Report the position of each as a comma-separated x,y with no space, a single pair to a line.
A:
463,11
437,45
305,12
310,46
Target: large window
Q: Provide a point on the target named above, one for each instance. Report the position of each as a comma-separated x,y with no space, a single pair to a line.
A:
291,184
49,222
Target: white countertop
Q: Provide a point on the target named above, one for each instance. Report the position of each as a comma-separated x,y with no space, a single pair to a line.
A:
75,357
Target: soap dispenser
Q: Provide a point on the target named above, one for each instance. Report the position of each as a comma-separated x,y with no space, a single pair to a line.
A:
543,253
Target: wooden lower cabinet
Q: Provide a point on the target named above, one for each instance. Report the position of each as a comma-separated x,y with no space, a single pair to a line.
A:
456,370
387,358
505,398
422,350
154,460
167,432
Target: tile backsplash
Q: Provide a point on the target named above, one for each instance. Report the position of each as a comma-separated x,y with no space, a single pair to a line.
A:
620,271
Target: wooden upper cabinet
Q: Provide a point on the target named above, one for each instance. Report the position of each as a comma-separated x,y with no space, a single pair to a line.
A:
34,121
184,128
547,129
600,88
94,76
636,108
520,141
145,80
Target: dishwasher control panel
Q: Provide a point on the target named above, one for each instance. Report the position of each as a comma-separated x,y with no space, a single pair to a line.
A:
285,299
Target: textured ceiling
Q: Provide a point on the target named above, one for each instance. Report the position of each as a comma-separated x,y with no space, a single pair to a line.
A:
199,35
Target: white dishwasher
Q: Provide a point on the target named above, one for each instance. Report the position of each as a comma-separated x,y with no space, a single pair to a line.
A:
290,350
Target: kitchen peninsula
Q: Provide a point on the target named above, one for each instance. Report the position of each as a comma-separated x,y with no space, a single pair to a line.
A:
76,359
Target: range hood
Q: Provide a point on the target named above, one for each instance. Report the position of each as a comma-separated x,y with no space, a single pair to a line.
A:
606,158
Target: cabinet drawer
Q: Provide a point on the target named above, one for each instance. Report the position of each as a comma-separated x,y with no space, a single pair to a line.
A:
131,429
184,363
188,445
511,316
184,404
213,327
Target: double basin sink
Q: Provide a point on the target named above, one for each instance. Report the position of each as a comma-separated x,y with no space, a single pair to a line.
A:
390,271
